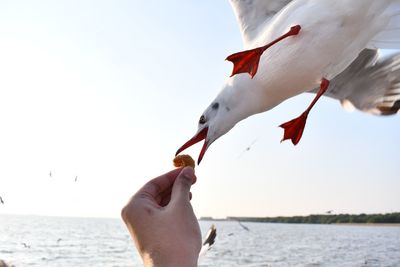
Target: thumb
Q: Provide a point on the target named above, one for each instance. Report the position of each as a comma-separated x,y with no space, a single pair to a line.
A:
181,188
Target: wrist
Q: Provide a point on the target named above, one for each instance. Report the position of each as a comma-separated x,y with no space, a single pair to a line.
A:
170,260
180,263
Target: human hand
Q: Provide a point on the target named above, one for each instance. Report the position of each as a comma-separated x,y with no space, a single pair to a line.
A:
162,223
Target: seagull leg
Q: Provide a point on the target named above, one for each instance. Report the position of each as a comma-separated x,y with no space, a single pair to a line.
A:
294,128
247,61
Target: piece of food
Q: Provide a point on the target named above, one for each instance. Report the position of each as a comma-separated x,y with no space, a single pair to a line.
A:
183,161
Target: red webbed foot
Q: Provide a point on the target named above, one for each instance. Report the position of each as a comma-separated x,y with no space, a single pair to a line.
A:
248,61
294,129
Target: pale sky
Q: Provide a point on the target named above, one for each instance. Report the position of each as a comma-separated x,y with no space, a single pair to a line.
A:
109,90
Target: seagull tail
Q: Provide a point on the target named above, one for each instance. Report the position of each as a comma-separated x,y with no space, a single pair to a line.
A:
370,84
378,88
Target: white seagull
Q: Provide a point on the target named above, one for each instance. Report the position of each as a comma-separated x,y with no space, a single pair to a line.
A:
209,240
295,46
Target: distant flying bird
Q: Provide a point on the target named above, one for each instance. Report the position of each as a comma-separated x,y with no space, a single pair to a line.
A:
59,240
251,145
296,46
247,148
76,178
208,240
1,200
50,174
329,211
243,226
25,245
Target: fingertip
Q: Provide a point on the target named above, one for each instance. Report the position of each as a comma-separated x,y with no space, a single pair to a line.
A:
188,172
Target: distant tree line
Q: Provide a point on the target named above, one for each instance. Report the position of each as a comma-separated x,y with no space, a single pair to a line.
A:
326,218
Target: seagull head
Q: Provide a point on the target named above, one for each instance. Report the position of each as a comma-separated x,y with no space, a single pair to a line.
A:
232,105
210,127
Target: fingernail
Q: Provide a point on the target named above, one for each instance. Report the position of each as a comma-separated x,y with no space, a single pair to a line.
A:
188,173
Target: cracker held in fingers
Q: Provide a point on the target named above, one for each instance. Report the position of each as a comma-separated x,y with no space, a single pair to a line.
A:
183,161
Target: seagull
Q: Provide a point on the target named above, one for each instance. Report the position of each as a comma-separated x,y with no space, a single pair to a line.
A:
1,200
295,46
209,240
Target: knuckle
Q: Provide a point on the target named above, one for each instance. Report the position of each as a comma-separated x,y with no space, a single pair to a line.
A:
128,209
124,213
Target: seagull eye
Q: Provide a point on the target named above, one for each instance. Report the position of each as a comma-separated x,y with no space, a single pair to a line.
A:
202,119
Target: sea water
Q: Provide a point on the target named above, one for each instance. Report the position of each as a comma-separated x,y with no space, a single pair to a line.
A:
78,242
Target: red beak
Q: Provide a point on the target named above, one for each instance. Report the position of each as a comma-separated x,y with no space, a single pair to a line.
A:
197,138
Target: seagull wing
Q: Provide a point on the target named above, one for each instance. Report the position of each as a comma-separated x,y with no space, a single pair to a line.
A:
369,84
252,15
389,38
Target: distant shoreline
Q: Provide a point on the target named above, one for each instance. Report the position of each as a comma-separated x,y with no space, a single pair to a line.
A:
335,224
369,224
388,219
